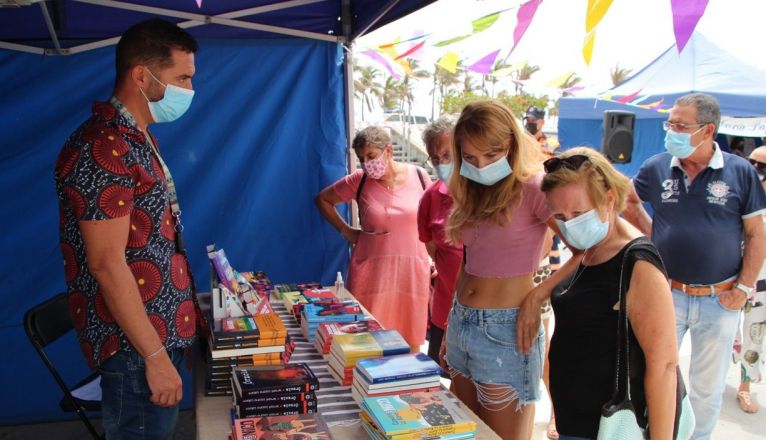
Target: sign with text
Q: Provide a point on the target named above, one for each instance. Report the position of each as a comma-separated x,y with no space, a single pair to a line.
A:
746,127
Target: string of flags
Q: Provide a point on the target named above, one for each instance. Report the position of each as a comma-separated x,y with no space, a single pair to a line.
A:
395,55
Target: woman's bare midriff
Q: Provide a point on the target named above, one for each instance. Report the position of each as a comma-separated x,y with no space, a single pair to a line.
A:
492,293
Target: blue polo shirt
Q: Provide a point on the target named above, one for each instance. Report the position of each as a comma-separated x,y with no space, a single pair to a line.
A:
698,225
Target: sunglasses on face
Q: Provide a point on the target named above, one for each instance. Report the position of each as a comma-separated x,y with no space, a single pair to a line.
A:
572,162
760,166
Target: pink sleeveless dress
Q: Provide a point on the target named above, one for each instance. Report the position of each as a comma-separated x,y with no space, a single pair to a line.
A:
389,271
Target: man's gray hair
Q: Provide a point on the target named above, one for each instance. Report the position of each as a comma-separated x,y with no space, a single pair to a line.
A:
443,125
372,135
708,110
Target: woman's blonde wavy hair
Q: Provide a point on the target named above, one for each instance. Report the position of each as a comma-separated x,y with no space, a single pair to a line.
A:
490,125
600,175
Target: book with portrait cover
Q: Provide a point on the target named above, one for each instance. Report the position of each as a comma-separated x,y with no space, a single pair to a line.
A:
257,381
289,427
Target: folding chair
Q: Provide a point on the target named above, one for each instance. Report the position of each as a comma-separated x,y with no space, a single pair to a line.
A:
44,324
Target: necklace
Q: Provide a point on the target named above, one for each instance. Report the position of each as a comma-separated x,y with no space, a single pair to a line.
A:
580,270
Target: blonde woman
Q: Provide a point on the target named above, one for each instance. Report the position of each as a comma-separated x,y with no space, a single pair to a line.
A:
502,218
586,195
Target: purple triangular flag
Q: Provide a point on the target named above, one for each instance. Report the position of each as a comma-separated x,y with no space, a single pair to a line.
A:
686,15
524,18
484,65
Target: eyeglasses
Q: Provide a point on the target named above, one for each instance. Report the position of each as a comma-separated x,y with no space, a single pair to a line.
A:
573,162
678,126
760,166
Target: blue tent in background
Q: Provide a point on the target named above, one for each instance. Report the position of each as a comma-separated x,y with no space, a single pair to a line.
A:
268,129
701,67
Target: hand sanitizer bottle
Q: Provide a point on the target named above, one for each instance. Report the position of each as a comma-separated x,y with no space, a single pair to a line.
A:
338,284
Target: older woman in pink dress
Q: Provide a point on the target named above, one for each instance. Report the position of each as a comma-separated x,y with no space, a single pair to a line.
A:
389,271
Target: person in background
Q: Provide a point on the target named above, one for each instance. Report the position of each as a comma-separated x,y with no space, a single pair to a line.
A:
586,195
534,119
131,296
748,345
432,220
501,217
707,226
389,271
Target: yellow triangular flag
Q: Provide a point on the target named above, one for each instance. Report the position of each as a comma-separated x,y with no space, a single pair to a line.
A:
596,11
449,62
559,80
587,48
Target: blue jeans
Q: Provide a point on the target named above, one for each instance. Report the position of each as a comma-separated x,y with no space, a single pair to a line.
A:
712,329
125,406
571,437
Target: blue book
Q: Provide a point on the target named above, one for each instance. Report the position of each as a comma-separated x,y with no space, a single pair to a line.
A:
393,368
337,312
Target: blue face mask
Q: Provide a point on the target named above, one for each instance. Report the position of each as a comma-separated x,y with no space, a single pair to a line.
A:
488,175
173,105
585,230
679,144
444,172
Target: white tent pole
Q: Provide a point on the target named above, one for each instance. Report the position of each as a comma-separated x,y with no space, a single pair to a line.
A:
22,48
51,29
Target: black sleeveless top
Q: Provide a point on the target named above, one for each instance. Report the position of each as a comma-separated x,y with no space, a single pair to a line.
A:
584,343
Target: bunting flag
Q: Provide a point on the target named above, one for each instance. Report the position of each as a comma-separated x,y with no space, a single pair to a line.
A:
484,65
382,60
411,51
573,89
559,80
390,50
686,15
596,11
478,25
653,105
397,41
199,3
524,18
449,62
631,97
656,105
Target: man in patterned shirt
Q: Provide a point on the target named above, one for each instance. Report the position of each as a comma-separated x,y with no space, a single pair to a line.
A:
130,290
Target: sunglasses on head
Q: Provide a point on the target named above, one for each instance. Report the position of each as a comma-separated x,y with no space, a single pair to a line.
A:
572,162
760,166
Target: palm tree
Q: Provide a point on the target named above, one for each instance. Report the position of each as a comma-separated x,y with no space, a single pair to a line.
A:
443,81
366,86
619,75
491,78
406,85
570,82
468,84
523,73
392,96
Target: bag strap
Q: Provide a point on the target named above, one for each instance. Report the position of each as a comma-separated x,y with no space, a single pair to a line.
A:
622,367
420,176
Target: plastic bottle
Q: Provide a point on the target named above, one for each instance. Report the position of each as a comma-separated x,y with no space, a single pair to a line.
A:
338,284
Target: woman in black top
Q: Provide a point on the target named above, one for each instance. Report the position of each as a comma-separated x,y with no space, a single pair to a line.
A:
586,195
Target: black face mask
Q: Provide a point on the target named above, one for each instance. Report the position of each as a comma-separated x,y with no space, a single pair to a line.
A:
531,128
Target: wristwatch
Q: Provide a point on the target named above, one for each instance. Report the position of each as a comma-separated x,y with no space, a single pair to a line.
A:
747,289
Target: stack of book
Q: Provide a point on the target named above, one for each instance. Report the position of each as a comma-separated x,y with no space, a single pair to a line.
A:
392,375
329,310
299,426
246,341
327,330
274,391
416,416
280,289
348,349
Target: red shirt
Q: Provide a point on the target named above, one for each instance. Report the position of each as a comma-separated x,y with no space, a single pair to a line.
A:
432,219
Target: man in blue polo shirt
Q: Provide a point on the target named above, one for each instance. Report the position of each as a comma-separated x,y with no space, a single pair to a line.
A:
708,229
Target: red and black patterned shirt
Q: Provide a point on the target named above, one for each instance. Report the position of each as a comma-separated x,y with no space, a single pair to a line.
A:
107,169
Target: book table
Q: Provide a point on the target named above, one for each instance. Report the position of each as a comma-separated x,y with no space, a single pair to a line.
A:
338,408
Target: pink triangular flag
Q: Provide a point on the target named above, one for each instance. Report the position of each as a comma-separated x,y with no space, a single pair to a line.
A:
199,3
485,64
686,15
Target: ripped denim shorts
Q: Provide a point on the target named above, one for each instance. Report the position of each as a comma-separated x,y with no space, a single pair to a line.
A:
481,346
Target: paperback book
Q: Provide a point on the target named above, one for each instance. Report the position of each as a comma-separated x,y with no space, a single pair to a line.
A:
433,414
290,427
258,381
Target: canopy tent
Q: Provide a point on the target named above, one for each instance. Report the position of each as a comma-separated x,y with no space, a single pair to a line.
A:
267,130
701,67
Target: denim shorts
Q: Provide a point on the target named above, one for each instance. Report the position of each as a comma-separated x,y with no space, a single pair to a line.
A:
125,406
481,345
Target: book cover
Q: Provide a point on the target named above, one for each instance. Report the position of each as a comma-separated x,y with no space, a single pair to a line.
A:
275,398
314,295
231,352
383,392
260,342
258,409
223,269
291,427
436,413
352,347
324,312
292,378
395,368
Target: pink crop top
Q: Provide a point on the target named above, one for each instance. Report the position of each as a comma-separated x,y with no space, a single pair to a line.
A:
494,251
